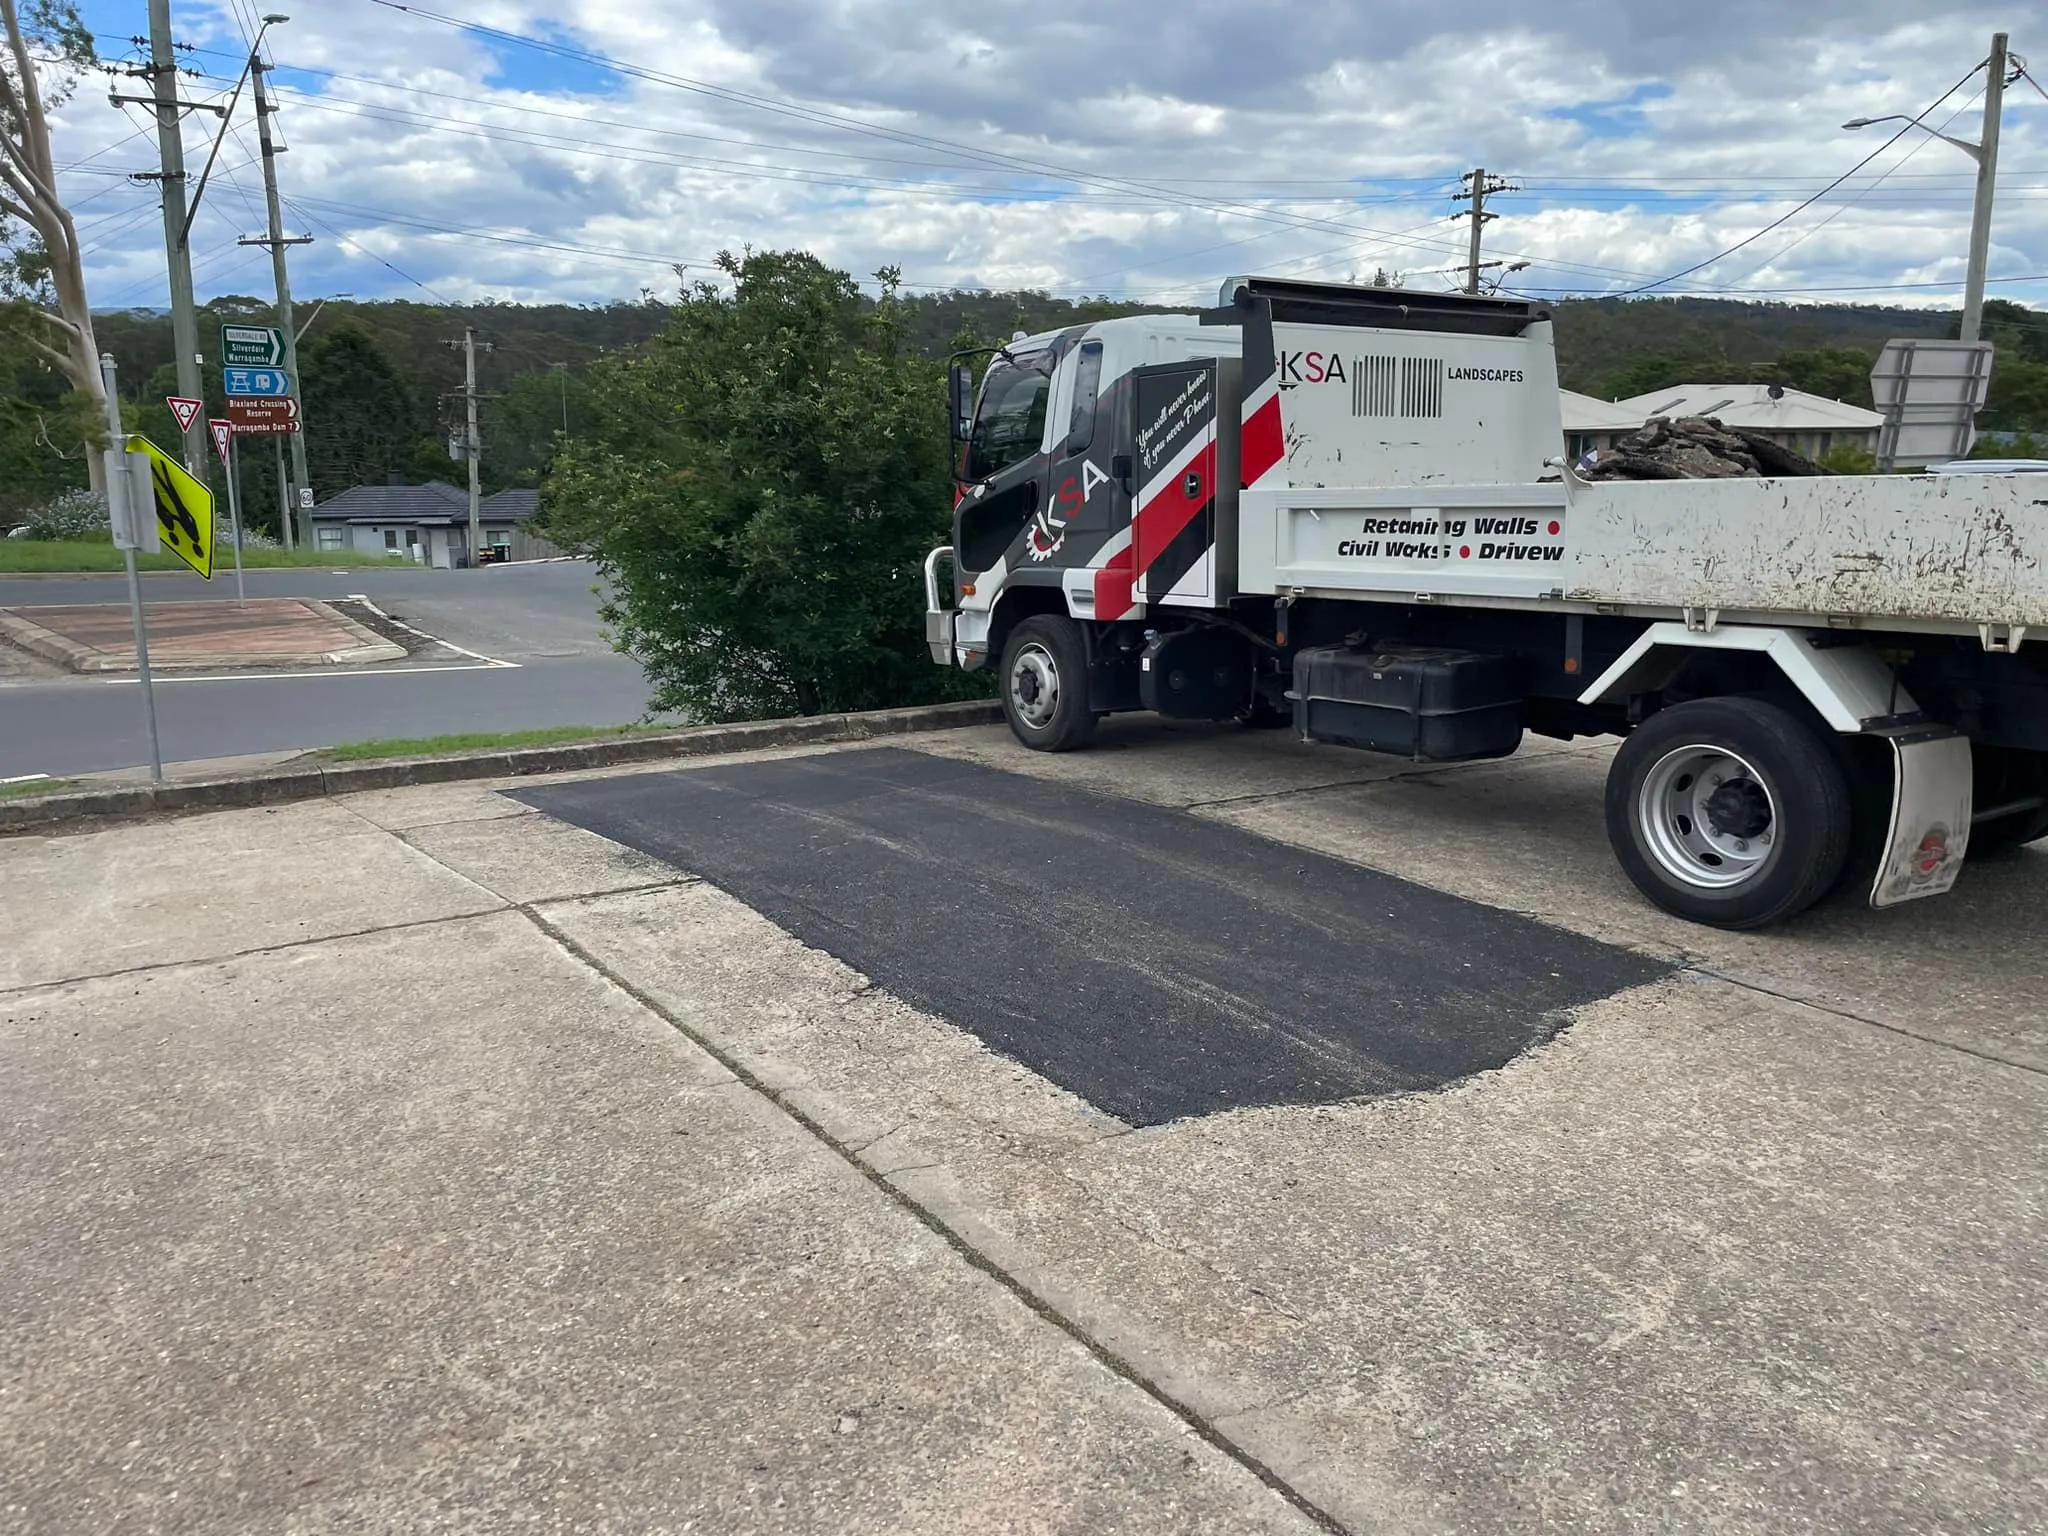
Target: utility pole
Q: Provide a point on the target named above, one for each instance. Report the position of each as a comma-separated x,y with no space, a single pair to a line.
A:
170,140
1479,187
472,442
1987,175
277,242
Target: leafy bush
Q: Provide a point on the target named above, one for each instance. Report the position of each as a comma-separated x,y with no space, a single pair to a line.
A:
72,515
760,487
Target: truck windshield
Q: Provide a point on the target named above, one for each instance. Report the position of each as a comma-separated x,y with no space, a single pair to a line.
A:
1009,424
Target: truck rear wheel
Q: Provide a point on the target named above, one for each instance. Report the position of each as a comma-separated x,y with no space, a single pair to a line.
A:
1731,812
1045,685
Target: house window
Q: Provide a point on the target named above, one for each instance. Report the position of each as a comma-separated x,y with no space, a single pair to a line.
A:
331,538
391,538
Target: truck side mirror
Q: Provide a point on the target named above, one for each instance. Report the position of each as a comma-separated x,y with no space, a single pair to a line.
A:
960,392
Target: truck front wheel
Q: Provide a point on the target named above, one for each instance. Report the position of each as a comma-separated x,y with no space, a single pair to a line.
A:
1045,684
1731,812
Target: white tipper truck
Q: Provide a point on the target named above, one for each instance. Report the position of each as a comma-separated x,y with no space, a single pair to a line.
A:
1347,508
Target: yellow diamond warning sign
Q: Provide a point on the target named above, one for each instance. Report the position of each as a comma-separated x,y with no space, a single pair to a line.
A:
184,507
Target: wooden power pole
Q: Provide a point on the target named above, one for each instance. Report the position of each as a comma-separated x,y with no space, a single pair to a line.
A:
1478,188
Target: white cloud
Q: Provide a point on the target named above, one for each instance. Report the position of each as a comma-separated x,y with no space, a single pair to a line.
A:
1144,148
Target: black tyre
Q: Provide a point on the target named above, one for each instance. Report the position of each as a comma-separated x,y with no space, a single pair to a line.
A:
1730,812
2001,777
1045,685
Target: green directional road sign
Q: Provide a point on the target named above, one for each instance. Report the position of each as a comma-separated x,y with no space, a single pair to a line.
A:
251,346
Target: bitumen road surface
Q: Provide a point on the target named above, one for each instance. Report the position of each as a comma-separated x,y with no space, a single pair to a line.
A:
1360,985
541,616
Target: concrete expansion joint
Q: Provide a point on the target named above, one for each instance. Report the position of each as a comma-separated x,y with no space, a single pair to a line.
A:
1125,1369
1706,973
1263,796
284,946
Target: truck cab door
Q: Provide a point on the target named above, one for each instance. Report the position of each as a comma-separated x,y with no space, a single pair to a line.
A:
1004,469
1175,489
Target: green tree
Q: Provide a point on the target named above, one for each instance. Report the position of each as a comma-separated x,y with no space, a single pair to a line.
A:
760,485
362,427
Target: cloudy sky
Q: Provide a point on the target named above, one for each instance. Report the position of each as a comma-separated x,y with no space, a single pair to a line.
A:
579,149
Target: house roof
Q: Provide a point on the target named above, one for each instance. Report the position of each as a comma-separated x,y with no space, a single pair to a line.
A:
435,502
1583,413
516,503
1752,408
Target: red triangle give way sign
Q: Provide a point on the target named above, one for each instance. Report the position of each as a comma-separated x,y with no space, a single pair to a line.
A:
187,411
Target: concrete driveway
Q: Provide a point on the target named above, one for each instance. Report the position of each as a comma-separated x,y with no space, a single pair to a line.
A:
427,1161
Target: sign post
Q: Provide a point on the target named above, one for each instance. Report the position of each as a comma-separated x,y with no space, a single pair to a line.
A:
223,433
132,524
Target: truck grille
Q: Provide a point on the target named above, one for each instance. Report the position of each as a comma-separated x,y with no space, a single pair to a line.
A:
1398,386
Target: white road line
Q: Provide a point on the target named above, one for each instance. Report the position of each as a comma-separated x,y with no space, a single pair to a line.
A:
24,778
364,599
161,678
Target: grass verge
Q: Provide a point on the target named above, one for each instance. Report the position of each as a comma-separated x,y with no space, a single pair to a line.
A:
480,741
33,787
61,556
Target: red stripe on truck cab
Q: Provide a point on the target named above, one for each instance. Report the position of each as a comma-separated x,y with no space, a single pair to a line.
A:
1262,444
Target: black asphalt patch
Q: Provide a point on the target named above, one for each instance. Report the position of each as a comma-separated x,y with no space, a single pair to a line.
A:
1153,963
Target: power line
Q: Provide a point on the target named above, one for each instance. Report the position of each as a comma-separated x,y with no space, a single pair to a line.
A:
363,251
1918,145
1808,203
1531,289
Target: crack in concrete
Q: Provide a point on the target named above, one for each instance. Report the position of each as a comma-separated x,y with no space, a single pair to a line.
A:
876,1141
1168,1245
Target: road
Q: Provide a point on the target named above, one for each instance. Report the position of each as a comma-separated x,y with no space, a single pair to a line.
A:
542,617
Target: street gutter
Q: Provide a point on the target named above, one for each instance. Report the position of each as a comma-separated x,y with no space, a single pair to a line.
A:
314,781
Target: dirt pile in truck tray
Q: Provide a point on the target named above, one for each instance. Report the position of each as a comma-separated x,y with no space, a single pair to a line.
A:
1695,448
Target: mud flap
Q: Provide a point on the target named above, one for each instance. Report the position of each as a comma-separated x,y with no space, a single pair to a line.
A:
1930,821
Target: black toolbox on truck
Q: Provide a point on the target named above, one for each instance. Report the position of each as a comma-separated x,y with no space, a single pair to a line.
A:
1418,701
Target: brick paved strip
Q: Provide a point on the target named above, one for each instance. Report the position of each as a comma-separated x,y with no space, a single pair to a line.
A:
295,781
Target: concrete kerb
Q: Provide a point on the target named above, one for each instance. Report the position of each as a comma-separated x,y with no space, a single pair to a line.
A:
302,782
